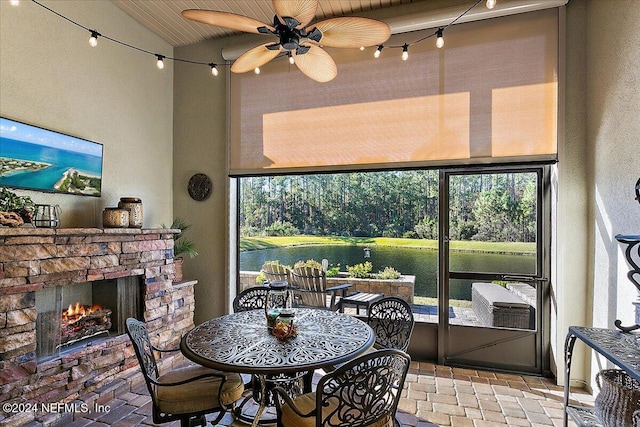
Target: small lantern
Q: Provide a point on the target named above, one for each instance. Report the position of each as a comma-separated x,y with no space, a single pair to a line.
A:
278,299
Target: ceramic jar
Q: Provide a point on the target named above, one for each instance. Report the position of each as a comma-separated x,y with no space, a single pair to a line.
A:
134,205
115,218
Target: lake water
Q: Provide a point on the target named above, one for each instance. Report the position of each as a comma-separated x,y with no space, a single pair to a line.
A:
423,263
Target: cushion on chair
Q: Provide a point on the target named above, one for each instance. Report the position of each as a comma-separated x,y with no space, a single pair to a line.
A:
197,395
305,404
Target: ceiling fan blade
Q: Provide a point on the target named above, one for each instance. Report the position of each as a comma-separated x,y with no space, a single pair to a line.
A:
352,32
226,20
255,57
317,64
302,11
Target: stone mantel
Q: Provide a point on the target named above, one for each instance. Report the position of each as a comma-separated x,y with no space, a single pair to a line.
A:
35,258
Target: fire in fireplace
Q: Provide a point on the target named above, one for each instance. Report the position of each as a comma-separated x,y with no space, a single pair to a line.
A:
76,313
83,321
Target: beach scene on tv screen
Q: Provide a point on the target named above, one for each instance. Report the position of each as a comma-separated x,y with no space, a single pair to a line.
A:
40,159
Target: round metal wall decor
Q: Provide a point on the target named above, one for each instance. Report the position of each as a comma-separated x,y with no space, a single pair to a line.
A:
200,187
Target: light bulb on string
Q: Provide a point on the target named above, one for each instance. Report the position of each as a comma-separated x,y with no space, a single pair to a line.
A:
214,69
491,4
291,60
405,52
93,40
15,2
376,54
160,62
257,70
361,48
439,39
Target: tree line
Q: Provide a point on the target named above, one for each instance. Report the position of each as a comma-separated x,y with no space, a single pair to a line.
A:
487,207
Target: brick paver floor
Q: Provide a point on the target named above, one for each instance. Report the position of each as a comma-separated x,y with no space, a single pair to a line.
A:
433,395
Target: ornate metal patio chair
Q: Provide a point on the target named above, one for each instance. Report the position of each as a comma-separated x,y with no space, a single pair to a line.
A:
275,272
250,299
310,289
361,393
186,394
391,318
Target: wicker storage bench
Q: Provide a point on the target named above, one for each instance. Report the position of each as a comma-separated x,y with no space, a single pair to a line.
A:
496,306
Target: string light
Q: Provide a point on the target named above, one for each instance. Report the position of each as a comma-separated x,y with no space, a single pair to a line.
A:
160,62
438,34
439,39
291,60
93,40
15,2
378,51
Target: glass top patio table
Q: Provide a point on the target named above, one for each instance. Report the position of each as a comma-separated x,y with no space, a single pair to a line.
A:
241,342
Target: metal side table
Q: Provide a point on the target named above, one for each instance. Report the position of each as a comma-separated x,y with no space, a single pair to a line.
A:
621,348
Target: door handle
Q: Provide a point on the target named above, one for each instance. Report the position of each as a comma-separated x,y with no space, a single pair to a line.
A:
508,277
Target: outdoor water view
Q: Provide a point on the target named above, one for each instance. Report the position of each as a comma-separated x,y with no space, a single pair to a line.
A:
390,219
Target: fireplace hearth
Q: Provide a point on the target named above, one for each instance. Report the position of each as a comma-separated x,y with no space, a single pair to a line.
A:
53,355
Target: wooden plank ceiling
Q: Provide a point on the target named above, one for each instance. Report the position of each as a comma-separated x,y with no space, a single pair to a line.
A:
163,16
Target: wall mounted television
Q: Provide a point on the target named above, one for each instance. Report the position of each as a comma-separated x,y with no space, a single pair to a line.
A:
39,159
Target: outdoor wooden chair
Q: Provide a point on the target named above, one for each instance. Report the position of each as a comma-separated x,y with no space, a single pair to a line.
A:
188,393
310,289
361,393
391,318
275,272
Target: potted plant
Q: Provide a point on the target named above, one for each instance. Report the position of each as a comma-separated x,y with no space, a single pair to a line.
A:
15,210
181,246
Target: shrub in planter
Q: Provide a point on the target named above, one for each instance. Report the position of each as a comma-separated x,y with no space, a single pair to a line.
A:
389,273
360,271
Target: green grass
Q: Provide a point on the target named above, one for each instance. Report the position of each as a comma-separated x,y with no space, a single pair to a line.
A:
257,243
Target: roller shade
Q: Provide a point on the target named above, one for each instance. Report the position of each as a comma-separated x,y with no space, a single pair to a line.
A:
489,96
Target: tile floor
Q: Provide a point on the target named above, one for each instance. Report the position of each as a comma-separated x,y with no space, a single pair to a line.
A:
433,395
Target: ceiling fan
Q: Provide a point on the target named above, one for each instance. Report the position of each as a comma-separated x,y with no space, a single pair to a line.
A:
299,40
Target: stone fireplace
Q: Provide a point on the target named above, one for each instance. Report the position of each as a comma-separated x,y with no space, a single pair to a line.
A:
51,354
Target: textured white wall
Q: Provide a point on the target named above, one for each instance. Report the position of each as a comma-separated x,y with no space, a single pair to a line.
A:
599,165
613,136
51,77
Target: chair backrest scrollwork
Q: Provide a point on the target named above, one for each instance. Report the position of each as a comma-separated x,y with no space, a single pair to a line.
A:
250,299
137,331
364,391
391,318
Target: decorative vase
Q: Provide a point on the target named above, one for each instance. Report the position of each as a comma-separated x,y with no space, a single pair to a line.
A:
134,205
115,218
